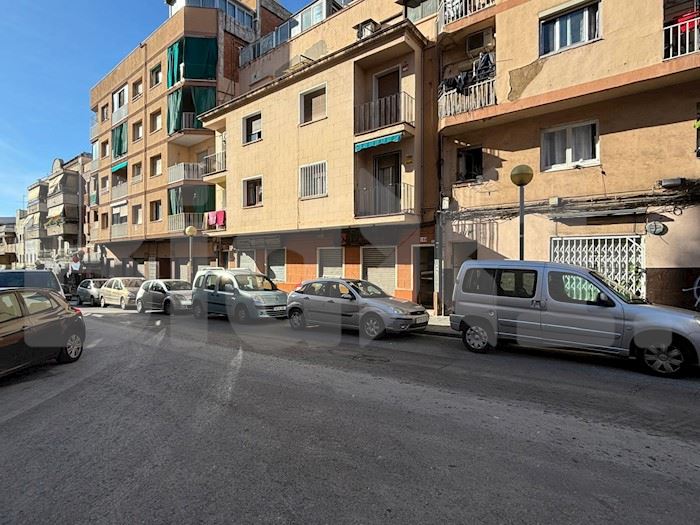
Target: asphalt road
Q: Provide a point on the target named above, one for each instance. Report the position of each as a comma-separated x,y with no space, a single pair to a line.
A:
173,420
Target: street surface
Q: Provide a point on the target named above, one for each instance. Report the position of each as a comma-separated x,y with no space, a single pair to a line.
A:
174,420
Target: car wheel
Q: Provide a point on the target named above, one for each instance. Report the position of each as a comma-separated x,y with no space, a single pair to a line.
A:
477,338
167,308
72,349
139,307
372,326
241,315
297,320
103,303
122,304
198,310
661,357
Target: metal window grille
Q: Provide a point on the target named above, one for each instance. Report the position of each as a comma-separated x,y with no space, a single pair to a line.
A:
619,258
312,180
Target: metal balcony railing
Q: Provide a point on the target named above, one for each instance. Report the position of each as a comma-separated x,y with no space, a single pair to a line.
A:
188,119
682,38
384,199
120,114
120,230
476,96
214,163
383,112
180,221
184,170
452,10
120,191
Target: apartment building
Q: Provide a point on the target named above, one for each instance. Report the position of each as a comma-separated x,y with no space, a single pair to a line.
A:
330,150
601,99
150,150
8,242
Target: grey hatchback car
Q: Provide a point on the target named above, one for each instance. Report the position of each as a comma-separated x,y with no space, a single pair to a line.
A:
89,291
353,303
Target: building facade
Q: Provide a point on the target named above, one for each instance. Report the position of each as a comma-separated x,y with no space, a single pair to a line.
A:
8,242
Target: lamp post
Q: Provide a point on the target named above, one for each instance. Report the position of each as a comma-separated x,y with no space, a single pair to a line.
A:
521,176
190,232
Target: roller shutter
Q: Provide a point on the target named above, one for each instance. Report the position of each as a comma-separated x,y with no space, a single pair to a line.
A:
330,262
379,267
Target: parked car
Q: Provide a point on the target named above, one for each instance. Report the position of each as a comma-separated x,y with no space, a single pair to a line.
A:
353,303
36,325
552,305
44,279
89,291
237,293
168,295
120,291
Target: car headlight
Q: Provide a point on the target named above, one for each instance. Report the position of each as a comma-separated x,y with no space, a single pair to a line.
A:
258,300
398,311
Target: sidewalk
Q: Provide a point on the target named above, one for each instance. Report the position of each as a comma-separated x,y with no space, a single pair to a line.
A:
440,325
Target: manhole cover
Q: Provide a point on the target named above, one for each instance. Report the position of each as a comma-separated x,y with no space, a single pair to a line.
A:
370,358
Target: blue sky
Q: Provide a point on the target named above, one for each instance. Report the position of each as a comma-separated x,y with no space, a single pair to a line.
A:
52,53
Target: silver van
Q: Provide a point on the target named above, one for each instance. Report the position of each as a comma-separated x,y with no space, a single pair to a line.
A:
541,304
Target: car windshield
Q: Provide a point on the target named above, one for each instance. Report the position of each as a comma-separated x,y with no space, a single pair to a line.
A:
255,283
98,284
132,283
28,280
618,290
367,290
177,285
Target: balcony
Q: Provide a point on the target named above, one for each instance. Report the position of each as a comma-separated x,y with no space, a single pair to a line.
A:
184,171
379,199
8,248
476,96
36,206
120,191
188,119
61,197
94,165
120,230
215,220
383,112
62,228
120,114
682,38
35,232
180,221
94,200
94,128
452,10
214,163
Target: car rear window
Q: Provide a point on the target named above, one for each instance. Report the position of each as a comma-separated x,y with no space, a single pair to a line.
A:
9,307
29,280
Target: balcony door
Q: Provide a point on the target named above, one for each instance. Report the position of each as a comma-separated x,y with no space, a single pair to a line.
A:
387,84
386,184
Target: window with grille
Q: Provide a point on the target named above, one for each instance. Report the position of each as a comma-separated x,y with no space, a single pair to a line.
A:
313,180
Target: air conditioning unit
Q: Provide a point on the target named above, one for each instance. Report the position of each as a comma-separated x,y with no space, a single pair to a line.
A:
366,28
481,41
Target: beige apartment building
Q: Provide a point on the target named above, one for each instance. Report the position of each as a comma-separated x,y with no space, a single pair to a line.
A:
151,152
601,99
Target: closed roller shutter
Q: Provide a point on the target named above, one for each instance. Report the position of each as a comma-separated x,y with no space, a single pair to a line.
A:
379,267
330,262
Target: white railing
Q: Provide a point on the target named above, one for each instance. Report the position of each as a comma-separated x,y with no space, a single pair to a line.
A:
452,10
120,114
214,163
188,119
383,112
682,38
180,221
94,128
120,230
384,199
120,191
477,96
184,170
94,165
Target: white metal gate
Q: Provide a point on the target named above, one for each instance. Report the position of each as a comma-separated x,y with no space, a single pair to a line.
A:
619,258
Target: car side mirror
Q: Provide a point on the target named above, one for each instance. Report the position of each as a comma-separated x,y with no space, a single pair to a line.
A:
348,296
604,300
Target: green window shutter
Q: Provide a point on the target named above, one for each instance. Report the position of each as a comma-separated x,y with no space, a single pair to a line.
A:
174,111
119,141
201,56
204,99
175,57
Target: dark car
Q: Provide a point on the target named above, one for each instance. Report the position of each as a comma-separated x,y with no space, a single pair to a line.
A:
30,279
37,325
168,295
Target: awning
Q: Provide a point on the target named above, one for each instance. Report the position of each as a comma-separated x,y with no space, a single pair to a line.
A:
31,220
56,211
54,183
119,203
34,193
120,166
396,137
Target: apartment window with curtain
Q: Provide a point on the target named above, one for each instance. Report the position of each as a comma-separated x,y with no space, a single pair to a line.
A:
156,167
313,105
104,149
137,89
136,214
252,192
119,141
156,121
104,221
155,212
137,130
313,180
422,10
570,146
104,112
156,75
570,28
252,128
136,172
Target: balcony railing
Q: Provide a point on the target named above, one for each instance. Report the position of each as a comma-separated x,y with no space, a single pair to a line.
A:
214,163
215,220
104,190
94,128
120,114
452,10
36,205
120,191
476,96
93,199
94,165
384,112
120,230
180,221
682,38
188,119
381,199
184,171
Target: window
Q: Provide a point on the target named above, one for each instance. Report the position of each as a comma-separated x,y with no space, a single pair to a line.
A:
136,172
225,280
156,75
480,281
330,262
312,180
104,221
470,164
314,289
337,290
119,98
104,184
570,146
155,211
252,192
156,166
36,302
252,128
156,121
422,10
210,283
517,283
120,215
9,307
104,112
570,28
313,105
137,130
136,214
276,264
104,149
137,89
571,288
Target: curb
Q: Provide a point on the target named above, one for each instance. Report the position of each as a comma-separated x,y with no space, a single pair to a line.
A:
441,333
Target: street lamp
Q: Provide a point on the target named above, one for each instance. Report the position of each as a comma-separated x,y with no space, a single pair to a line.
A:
521,176
190,232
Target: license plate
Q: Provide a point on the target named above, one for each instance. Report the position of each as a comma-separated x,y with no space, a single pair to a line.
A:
279,308
421,319
186,303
